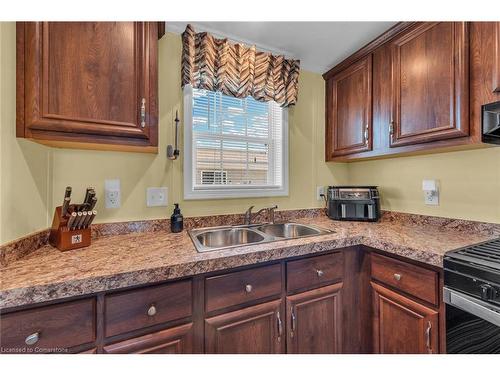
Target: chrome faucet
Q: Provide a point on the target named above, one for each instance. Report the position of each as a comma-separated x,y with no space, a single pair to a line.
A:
270,214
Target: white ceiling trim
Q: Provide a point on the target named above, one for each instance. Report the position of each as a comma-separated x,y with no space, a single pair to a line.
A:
178,29
318,45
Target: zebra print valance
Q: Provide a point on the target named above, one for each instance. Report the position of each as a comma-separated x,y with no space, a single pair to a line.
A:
237,70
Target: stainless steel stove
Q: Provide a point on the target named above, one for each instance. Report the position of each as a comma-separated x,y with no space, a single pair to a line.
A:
472,297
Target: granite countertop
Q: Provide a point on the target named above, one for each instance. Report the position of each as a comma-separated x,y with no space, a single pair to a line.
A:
119,261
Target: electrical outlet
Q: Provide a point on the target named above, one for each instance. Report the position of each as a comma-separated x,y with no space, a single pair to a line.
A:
431,197
320,192
156,197
431,192
112,193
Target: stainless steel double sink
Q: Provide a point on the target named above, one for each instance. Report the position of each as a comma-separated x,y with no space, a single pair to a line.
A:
218,238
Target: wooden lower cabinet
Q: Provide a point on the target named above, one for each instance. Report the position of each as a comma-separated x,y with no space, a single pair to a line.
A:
253,330
402,325
314,321
177,340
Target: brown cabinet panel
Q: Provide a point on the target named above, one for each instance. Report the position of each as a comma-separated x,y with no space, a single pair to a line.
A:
349,110
51,329
239,287
315,271
314,321
254,330
88,82
401,325
417,281
145,307
496,59
177,340
430,83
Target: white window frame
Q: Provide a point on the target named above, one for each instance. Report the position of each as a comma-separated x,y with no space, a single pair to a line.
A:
223,192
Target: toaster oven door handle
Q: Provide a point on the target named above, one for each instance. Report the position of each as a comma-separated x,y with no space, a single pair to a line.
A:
472,305
343,211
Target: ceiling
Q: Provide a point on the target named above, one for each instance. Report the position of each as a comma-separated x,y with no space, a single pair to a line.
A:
319,45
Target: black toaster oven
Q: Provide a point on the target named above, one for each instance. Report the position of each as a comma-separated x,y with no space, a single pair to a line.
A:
355,203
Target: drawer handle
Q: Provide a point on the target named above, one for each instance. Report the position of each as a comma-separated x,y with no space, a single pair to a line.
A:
319,273
32,339
152,310
397,276
428,337
248,288
280,326
143,112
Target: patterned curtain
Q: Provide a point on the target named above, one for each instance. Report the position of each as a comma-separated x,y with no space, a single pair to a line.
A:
237,70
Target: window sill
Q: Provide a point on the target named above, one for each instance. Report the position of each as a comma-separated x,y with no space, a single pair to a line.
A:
234,193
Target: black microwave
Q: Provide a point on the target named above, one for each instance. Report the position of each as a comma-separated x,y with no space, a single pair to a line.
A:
490,123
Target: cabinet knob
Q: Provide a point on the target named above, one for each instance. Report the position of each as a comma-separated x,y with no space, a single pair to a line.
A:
32,339
319,273
248,288
397,276
152,310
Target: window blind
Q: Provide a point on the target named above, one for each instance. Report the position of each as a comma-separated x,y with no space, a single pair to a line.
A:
235,142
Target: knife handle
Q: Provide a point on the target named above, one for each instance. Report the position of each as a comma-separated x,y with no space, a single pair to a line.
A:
88,216
71,220
67,193
65,206
93,202
94,214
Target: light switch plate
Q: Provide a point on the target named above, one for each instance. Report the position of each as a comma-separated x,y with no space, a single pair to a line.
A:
156,196
112,193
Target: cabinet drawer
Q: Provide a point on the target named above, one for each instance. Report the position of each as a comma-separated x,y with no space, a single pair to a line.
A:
49,329
417,281
131,310
309,273
243,286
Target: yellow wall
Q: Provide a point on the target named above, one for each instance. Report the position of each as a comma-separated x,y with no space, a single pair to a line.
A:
81,168
33,177
24,165
469,183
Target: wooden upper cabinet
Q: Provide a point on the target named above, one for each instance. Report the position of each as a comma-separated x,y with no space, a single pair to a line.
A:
430,83
496,60
401,325
88,84
349,110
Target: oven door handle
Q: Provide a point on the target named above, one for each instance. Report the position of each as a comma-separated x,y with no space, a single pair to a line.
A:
472,306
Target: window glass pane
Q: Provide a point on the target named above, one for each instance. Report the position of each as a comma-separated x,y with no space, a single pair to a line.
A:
236,142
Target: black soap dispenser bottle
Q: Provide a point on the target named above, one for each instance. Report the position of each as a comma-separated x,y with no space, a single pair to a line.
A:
176,220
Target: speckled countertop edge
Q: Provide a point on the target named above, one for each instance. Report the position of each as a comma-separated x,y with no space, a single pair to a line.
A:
173,256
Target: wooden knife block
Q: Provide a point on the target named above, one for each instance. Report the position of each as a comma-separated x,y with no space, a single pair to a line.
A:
65,239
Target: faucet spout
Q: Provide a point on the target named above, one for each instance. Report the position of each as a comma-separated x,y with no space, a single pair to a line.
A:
270,214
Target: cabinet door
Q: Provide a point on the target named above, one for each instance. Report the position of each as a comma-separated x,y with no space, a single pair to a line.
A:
349,110
253,330
88,82
496,56
401,325
430,76
314,321
177,340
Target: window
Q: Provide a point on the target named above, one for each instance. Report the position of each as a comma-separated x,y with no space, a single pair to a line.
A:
233,147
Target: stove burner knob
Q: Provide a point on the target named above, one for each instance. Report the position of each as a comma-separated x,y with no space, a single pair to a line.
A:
487,291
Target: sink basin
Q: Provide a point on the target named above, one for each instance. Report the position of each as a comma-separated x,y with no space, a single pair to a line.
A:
288,230
219,238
